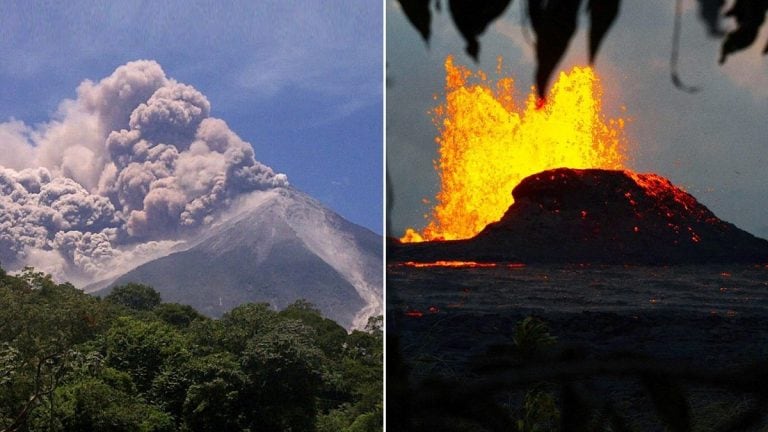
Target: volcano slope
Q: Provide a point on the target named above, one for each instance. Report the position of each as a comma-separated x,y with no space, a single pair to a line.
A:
598,216
281,246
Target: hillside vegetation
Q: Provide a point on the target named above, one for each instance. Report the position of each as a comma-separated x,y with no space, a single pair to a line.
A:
73,362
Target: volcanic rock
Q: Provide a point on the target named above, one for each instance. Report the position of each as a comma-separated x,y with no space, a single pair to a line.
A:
599,216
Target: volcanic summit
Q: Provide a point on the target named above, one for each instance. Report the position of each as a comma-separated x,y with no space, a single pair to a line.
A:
277,246
599,216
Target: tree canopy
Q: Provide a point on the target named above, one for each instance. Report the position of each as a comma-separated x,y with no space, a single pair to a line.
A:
135,296
70,362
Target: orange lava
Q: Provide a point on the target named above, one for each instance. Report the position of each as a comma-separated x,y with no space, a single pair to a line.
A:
659,187
454,264
662,190
488,143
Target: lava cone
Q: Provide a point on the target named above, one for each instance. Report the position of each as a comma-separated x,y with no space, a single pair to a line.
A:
599,216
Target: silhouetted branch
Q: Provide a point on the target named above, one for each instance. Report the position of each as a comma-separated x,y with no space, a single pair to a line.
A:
555,22
676,51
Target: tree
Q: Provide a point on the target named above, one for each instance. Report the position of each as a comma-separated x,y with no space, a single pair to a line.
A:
283,369
93,405
71,362
329,335
204,392
178,315
143,348
360,383
241,324
134,296
41,325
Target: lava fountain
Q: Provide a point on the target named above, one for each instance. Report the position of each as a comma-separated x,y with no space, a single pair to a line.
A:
488,143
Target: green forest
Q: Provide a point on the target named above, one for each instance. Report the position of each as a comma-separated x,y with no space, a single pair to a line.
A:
70,361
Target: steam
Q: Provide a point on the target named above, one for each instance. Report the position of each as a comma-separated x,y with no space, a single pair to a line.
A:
128,167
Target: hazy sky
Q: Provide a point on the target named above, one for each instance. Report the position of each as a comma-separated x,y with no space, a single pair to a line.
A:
300,81
713,143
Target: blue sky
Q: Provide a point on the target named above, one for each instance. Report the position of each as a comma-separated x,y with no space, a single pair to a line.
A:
712,143
300,81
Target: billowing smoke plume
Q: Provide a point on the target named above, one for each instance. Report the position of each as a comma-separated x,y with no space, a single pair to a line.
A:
134,159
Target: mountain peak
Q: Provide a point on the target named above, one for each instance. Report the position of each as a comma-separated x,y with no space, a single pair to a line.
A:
275,246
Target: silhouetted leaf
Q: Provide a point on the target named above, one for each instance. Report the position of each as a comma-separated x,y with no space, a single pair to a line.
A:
419,15
749,15
472,17
669,400
554,22
681,85
602,14
532,337
675,54
709,12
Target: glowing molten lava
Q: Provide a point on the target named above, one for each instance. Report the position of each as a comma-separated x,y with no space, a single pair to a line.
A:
488,144
451,264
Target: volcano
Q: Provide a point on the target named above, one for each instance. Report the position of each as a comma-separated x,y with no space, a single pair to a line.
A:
276,247
598,216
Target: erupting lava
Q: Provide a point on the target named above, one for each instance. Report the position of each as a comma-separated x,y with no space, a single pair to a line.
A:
488,144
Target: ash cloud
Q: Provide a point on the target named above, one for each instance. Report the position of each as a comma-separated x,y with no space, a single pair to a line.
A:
134,160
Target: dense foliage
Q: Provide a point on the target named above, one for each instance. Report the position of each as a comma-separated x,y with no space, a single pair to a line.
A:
73,362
